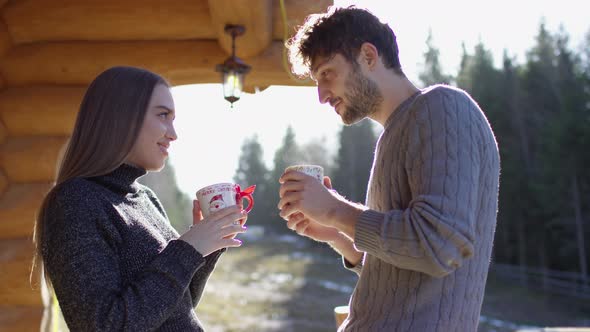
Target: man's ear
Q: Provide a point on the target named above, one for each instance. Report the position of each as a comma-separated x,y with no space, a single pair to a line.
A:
368,55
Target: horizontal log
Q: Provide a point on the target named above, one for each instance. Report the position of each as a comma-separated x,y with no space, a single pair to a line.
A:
15,260
110,20
3,132
20,319
296,13
105,20
31,159
254,15
267,70
5,45
40,110
5,38
3,182
18,208
181,62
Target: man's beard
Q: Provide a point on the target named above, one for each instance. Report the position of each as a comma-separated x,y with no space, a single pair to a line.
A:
363,97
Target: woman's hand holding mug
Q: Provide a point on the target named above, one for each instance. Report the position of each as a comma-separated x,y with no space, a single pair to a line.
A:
217,230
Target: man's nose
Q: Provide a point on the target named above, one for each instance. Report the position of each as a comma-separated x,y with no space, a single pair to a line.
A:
324,94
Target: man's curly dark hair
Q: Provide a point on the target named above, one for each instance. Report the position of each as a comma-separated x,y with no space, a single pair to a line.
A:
341,31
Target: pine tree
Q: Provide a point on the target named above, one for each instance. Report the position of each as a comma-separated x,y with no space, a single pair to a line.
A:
354,159
432,72
316,152
287,154
252,171
177,204
541,105
563,165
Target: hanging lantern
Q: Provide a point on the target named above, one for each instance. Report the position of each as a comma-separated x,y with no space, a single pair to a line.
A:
233,69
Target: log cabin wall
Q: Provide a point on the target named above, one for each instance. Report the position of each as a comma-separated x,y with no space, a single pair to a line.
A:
49,53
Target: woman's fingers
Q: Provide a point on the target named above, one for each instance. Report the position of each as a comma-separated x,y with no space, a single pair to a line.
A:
218,215
242,221
218,230
231,243
233,229
232,219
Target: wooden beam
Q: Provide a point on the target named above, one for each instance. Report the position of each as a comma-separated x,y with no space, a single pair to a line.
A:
3,182
269,68
20,318
108,20
181,62
254,15
3,132
296,12
31,159
40,110
16,259
112,20
18,208
5,44
5,38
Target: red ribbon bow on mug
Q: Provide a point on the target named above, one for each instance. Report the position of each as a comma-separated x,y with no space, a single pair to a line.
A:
247,191
247,194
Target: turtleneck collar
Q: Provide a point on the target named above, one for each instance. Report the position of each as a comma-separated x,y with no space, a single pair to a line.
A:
122,180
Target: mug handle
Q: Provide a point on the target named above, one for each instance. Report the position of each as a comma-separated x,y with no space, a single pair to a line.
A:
247,194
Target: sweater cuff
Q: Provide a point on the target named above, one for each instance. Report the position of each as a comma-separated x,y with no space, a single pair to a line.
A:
213,257
367,231
354,268
188,258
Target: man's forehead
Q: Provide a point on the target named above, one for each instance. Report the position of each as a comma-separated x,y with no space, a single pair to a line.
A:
318,61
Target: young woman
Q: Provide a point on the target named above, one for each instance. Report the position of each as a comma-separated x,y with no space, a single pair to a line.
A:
104,243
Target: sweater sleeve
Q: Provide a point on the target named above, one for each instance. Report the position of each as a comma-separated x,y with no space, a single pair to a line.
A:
202,276
83,264
435,234
199,280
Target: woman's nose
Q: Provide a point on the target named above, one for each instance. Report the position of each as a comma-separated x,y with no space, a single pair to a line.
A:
171,133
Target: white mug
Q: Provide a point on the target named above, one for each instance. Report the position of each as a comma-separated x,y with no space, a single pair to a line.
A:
313,170
220,195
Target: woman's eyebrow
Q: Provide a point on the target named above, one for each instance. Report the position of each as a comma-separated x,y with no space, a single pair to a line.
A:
166,108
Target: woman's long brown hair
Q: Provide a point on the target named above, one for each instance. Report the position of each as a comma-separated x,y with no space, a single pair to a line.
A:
108,123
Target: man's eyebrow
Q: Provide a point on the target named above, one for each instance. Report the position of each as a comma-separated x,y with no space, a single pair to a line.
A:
316,67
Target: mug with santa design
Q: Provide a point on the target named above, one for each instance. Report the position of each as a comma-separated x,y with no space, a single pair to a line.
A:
217,196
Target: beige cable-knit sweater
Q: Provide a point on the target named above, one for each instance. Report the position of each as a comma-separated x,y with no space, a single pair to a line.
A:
427,238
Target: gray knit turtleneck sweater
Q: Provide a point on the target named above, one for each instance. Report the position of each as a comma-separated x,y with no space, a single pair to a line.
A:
115,261
427,238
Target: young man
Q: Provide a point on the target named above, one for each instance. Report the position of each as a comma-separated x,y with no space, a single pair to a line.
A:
422,244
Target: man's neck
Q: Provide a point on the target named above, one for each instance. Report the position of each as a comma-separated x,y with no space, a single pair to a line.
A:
395,90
